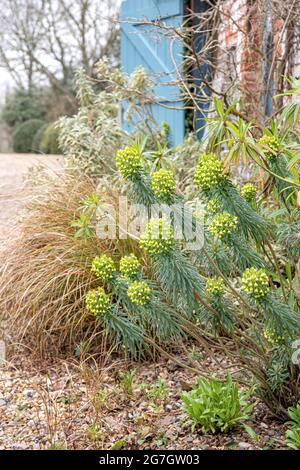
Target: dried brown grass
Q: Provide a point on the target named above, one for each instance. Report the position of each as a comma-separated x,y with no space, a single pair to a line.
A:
45,270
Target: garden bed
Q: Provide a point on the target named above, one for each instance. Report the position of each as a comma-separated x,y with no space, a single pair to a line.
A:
62,404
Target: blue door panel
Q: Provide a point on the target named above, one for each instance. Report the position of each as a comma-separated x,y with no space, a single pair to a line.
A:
142,46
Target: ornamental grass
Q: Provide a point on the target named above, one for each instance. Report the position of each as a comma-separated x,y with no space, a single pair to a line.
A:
46,272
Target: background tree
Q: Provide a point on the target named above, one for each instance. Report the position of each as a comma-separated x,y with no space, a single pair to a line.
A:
44,42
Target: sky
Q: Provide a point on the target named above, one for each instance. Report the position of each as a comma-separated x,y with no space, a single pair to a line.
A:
6,83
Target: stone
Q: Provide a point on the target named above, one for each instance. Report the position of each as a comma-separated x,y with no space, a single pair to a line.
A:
244,445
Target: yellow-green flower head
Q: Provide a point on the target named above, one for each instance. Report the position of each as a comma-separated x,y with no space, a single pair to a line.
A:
215,285
249,192
104,267
270,145
163,183
223,224
209,171
129,162
255,282
97,302
158,237
213,206
139,292
272,337
129,266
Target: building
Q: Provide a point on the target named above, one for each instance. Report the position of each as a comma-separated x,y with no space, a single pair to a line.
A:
244,48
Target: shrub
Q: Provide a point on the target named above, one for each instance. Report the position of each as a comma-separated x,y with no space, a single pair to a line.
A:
36,143
91,138
217,406
23,135
292,435
23,106
49,141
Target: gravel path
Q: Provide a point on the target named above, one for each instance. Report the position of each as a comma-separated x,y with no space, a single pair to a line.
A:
12,195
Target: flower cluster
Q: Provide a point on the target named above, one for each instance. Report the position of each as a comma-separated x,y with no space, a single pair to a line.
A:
139,292
129,162
255,282
158,237
163,184
249,192
273,337
223,224
129,266
104,267
213,206
97,301
269,142
215,285
209,171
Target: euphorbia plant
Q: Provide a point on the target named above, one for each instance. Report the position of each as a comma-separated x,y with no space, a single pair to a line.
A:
244,315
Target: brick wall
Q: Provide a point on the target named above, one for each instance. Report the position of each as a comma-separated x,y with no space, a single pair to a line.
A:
241,67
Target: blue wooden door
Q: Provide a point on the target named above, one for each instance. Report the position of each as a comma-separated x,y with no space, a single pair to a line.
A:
156,54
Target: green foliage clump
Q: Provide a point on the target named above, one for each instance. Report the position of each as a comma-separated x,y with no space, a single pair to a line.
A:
215,285
129,266
23,135
163,184
223,224
217,406
158,237
104,267
129,162
270,145
36,143
49,142
249,192
84,89
209,171
98,302
91,138
255,283
22,106
292,435
139,292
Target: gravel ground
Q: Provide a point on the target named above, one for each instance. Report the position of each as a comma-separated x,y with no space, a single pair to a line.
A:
12,194
66,405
